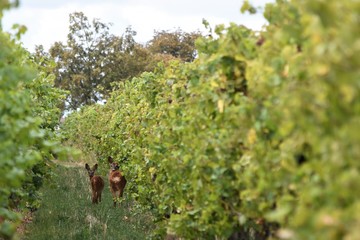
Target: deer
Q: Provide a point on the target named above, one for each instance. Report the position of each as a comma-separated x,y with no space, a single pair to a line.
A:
97,183
116,179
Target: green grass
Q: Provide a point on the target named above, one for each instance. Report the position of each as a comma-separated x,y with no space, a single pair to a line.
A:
67,212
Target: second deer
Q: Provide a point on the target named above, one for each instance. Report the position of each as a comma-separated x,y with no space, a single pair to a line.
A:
97,183
117,180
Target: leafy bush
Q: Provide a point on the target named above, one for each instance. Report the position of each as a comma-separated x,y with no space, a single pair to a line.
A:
28,117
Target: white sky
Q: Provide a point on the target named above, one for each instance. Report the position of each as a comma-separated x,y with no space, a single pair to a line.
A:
48,20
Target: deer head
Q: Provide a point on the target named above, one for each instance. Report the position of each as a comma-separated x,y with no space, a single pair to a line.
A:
91,171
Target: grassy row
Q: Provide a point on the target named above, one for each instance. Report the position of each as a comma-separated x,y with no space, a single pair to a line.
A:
67,212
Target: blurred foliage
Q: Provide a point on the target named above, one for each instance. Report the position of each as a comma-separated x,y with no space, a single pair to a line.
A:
29,117
177,43
258,137
5,5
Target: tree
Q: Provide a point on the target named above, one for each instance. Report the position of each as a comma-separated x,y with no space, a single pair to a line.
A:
178,44
91,60
80,63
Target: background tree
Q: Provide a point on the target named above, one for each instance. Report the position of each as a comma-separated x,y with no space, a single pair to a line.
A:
92,59
178,44
78,69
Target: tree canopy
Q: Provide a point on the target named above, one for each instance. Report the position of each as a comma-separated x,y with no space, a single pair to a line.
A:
93,59
177,43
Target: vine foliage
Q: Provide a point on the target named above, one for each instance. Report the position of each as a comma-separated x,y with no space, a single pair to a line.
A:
258,136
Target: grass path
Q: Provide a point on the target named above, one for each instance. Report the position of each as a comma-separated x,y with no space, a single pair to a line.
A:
67,212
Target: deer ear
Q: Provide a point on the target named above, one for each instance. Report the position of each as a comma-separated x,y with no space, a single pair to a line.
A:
110,159
87,166
95,166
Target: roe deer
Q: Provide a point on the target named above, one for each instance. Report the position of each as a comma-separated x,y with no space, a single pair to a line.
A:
116,179
97,183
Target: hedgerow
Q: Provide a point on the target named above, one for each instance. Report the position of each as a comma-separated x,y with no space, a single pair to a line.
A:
258,136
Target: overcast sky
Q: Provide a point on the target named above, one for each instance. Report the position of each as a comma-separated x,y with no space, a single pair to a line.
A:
48,20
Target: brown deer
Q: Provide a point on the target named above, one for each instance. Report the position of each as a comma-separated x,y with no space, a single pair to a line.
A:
116,179
97,183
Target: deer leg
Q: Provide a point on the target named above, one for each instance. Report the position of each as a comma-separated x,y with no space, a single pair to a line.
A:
118,198
113,193
96,197
93,197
